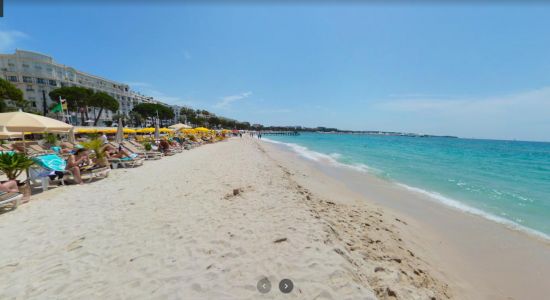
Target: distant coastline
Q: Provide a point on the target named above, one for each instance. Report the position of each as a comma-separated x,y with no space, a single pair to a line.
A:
389,133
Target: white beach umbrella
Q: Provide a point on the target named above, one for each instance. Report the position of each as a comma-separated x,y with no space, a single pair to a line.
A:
71,136
119,131
25,122
5,134
157,130
179,126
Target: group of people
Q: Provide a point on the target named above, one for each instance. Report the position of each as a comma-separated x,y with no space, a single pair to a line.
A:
258,134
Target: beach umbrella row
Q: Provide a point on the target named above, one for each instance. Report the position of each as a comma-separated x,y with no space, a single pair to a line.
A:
20,122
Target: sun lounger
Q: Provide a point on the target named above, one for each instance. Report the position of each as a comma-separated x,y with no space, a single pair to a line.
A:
53,165
126,162
148,155
38,149
10,198
92,173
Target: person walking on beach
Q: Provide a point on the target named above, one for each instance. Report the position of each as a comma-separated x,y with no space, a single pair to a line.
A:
104,139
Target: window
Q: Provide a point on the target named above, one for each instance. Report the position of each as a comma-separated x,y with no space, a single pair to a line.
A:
53,82
40,80
27,79
33,104
37,67
29,88
12,78
25,65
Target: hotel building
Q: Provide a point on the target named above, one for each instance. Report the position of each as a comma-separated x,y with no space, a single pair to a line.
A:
37,74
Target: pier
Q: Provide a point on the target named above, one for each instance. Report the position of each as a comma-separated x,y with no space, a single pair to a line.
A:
280,133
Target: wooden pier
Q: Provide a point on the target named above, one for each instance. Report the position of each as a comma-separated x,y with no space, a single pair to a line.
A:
280,133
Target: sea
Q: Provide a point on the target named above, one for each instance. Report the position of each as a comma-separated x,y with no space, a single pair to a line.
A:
504,181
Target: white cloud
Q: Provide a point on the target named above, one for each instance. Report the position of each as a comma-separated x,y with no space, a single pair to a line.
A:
522,115
9,39
228,100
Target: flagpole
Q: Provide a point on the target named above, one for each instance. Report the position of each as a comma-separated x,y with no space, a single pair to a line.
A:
62,111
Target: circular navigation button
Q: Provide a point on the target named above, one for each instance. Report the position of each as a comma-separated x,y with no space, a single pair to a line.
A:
286,286
264,285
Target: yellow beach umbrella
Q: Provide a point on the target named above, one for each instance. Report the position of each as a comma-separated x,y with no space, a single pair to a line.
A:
202,129
129,131
146,130
86,130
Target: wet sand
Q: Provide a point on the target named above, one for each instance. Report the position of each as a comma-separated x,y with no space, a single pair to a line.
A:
479,258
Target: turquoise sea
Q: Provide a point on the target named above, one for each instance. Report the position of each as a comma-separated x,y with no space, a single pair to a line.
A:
505,181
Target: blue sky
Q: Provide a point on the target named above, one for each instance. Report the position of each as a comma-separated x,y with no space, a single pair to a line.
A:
468,70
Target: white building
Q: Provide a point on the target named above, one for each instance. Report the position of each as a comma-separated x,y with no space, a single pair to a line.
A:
37,74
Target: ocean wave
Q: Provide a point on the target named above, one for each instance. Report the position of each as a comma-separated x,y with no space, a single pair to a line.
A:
478,212
327,158
320,157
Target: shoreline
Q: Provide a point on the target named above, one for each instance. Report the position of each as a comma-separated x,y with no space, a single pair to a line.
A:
322,158
483,259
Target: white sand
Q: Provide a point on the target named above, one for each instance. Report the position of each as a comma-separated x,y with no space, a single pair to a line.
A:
173,229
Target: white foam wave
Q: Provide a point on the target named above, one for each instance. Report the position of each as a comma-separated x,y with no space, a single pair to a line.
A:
330,158
474,211
320,157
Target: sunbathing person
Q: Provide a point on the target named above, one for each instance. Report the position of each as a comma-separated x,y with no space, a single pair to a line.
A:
112,152
175,144
77,162
164,146
9,186
66,148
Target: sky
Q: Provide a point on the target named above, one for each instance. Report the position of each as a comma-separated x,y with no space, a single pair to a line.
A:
470,70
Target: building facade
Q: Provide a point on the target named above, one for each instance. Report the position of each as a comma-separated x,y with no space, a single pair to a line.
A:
37,74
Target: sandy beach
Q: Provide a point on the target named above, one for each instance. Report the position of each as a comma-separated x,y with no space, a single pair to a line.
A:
211,222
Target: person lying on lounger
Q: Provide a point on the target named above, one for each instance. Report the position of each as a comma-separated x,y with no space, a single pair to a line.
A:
9,186
112,152
164,146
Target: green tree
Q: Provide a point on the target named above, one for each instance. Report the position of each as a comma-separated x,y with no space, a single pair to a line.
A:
135,118
120,116
103,101
8,91
152,110
78,98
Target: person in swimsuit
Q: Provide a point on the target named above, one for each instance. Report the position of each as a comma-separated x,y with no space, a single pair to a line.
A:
77,161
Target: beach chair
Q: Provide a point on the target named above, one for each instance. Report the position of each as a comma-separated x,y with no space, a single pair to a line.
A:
47,167
126,162
38,149
52,165
10,198
94,172
148,155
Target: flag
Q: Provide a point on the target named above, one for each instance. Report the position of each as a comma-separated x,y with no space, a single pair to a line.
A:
57,108
61,106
